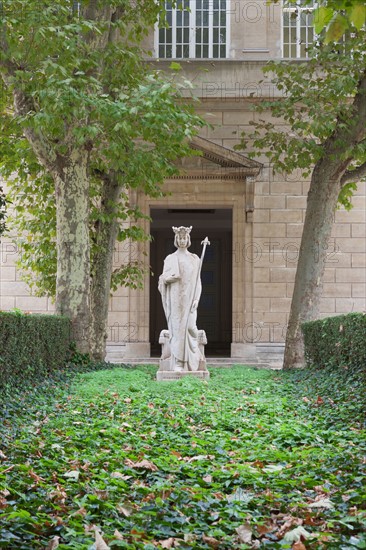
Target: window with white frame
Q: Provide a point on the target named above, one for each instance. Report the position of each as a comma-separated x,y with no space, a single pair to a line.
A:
195,29
298,29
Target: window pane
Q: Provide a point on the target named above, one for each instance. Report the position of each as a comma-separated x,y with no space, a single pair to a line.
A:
203,37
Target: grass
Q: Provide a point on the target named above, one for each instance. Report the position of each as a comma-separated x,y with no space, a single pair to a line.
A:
251,459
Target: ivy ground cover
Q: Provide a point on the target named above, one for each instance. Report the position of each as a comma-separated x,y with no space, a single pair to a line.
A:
251,459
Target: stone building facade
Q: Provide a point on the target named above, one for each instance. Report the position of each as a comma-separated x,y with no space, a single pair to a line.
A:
252,216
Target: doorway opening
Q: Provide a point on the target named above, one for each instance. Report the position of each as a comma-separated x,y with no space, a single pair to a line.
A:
215,307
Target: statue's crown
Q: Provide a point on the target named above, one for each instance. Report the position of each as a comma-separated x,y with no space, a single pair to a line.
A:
182,230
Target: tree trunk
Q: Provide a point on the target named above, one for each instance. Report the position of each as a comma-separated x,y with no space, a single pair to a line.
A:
329,174
106,234
73,248
321,205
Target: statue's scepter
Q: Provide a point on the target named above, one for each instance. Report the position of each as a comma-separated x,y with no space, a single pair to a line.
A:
205,242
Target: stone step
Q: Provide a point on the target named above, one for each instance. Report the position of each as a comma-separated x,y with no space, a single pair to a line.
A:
211,361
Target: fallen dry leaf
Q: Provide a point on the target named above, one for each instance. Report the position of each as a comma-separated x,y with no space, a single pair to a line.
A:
175,453
244,533
118,535
3,503
145,464
322,503
211,541
72,474
54,543
125,510
264,529
101,493
81,512
207,479
296,535
119,475
34,476
100,544
298,546
167,543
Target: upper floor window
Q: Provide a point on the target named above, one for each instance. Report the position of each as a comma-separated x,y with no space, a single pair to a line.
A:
196,29
298,29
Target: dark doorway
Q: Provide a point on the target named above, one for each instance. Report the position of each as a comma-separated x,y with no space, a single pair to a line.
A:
215,308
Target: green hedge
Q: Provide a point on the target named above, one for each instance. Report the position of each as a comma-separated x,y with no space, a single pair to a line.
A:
32,345
338,341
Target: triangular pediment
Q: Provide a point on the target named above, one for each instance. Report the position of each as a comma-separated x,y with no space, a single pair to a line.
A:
225,157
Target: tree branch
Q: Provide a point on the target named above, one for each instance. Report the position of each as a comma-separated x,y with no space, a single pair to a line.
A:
355,132
41,146
354,175
344,138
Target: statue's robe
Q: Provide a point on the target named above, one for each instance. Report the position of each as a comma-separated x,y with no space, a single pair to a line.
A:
178,297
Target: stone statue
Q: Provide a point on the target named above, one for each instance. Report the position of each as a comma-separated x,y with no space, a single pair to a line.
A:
180,288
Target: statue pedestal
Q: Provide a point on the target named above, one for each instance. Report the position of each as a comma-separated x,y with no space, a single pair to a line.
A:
169,375
166,372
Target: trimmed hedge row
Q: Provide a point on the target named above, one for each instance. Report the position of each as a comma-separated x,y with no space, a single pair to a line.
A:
32,345
338,341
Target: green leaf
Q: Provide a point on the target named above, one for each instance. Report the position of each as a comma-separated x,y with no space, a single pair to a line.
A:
358,15
322,16
337,28
174,66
